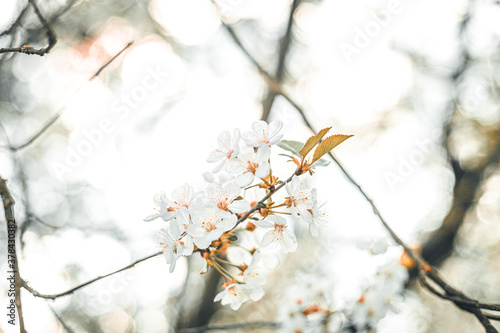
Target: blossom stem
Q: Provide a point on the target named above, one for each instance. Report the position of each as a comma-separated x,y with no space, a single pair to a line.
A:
268,195
222,270
226,262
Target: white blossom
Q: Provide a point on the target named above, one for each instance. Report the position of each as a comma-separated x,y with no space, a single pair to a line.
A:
316,216
236,294
278,233
300,197
248,164
173,249
208,226
263,134
224,198
182,196
226,151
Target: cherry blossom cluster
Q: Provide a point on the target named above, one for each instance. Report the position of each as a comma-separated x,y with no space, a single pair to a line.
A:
234,223
309,305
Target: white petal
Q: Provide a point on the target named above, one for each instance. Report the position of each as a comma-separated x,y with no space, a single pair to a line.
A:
250,139
276,139
227,223
209,177
219,166
313,230
244,179
172,266
219,296
239,206
289,243
267,239
235,166
232,191
274,127
275,219
151,217
264,223
261,129
263,154
263,170
224,140
256,293
215,155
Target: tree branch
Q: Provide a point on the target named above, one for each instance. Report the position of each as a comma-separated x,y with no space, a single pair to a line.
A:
56,117
8,203
281,68
51,35
72,290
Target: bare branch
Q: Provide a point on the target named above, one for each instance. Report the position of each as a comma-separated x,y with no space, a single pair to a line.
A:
72,290
8,203
250,325
51,35
63,109
285,43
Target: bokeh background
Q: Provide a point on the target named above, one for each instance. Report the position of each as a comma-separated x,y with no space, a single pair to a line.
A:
416,82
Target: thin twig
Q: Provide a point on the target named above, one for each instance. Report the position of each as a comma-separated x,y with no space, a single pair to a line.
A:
51,35
72,290
254,208
8,203
285,43
63,109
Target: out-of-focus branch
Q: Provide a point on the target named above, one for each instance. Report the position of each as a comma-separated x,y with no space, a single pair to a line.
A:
285,43
250,325
439,244
56,117
421,265
51,35
72,290
13,262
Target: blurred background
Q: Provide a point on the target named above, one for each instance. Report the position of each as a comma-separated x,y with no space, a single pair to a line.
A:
416,82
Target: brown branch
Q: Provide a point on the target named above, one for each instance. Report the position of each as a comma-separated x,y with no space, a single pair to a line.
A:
72,290
285,43
51,35
250,325
420,263
63,109
8,203
267,196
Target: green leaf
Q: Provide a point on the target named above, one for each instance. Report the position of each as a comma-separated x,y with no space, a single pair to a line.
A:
291,146
328,144
312,141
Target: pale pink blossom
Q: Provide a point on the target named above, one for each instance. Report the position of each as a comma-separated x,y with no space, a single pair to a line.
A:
225,198
173,249
278,233
248,164
226,151
208,225
182,196
263,134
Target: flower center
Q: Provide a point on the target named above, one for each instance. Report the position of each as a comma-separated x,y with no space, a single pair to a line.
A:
252,167
222,204
209,226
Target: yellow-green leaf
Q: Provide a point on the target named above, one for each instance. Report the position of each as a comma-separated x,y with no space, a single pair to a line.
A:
312,141
328,144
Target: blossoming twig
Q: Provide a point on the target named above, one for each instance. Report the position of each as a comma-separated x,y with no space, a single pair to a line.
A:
420,263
